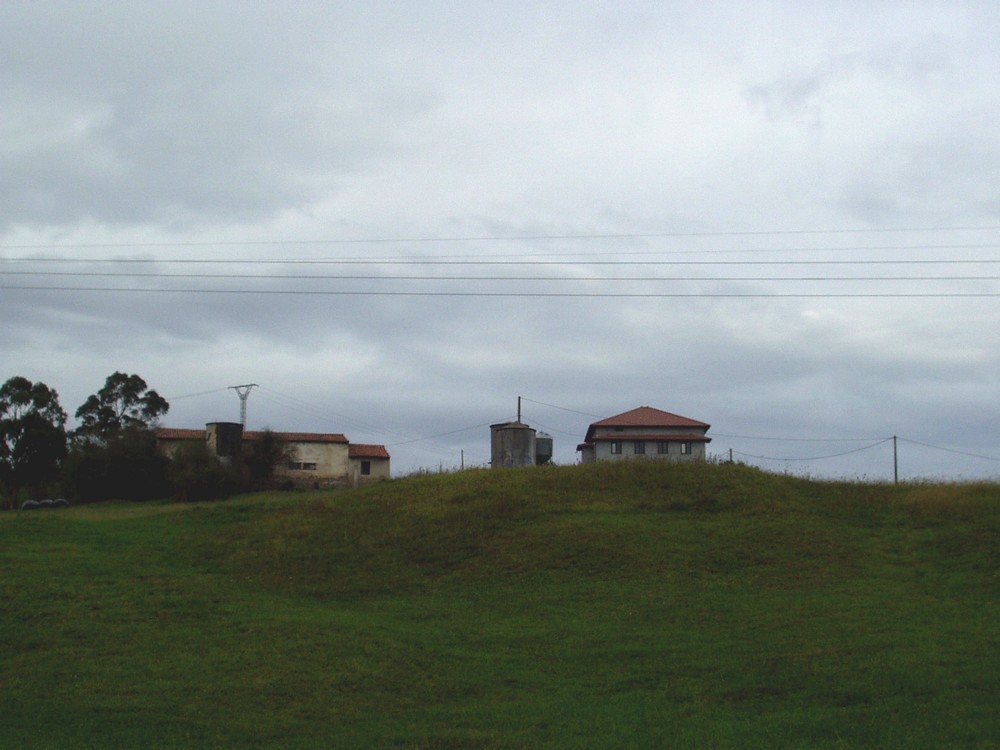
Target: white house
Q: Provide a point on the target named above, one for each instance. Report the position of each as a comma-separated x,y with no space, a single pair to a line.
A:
645,433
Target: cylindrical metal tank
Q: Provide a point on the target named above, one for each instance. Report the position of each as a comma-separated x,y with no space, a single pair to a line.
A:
543,448
512,444
226,438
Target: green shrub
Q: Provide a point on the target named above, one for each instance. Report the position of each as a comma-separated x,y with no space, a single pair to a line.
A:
195,474
126,467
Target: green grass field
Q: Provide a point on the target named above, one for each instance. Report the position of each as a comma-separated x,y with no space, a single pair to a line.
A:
602,606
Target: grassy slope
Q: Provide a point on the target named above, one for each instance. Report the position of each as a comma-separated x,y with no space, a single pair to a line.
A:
600,606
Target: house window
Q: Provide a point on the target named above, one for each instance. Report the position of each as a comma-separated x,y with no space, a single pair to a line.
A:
663,447
302,465
366,468
639,447
686,448
616,446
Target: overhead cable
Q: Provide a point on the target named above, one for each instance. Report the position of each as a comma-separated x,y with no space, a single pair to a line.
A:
816,458
525,261
520,294
377,277
502,238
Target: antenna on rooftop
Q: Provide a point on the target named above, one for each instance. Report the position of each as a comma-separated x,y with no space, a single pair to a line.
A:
243,391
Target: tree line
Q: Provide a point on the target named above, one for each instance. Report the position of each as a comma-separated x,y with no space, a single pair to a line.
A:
113,454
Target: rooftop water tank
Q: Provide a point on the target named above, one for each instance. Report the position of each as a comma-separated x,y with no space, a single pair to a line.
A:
226,438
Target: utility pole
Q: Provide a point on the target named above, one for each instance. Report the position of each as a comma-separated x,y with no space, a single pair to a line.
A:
243,391
895,461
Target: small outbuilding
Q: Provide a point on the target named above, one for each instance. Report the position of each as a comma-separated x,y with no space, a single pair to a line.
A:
368,462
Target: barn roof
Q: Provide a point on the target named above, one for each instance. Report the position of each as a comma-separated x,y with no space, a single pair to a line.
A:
364,450
175,433
300,437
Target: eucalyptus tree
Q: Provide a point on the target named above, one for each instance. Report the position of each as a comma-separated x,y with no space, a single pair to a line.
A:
124,403
114,453
32,435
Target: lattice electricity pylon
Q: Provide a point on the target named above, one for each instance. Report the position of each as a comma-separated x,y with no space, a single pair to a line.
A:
243,391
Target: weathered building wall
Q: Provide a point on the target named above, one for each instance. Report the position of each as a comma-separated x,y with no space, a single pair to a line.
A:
315,460
170,440
369,470
369,463
604,448
317,463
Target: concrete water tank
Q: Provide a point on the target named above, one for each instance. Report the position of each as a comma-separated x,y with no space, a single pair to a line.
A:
512,444
543,448
226,438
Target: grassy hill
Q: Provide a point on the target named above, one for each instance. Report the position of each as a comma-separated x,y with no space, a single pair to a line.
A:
640,605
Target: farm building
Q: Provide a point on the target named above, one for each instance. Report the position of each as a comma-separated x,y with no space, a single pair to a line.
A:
368,461
317,459
645,432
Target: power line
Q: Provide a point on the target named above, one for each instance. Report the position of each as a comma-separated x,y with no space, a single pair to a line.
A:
816,458
561,408
499,238
377,277
417,261
200,393
802,440
522,294
548,428
317,412
949,450
877,442
292,402
440,435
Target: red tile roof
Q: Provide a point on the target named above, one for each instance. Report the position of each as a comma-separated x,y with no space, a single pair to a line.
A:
362,450
173,433
300,437
645,416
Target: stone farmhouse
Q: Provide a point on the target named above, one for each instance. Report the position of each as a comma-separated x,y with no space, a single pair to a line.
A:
317,459
645,432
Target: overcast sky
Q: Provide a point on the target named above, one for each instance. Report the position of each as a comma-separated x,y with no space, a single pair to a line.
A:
782,219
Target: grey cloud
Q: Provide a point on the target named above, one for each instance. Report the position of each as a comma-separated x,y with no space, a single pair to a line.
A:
159,130
155,120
